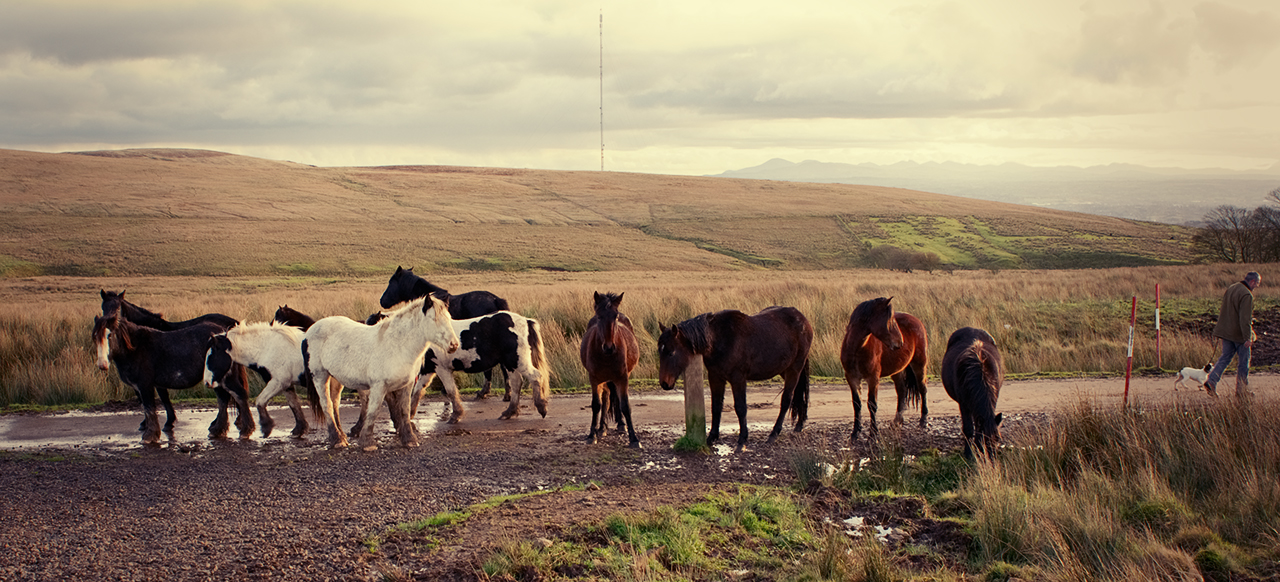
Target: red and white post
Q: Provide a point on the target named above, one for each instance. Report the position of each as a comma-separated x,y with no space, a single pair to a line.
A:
1128,368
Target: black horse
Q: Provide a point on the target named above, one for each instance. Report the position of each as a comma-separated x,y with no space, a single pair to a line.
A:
235,385
972,373
405,286
150,360
288,316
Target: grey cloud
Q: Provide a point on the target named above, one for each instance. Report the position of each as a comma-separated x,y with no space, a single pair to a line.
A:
1143,48
1235,36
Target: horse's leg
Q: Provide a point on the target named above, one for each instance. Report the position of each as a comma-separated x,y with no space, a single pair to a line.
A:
854,381
274,387
789,382
150,419
455,399
221,424
488,381
614,403
900,386
740,407
624,404
363,399
873,404
506,379
237,384
598,405
329,407
966,427
398,402
377,392
300,425
513,389
169,416
541,392
918,369
716,384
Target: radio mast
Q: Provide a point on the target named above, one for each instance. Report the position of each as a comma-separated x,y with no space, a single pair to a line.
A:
601,89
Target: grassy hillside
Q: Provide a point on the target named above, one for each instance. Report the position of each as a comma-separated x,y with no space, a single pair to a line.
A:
193,212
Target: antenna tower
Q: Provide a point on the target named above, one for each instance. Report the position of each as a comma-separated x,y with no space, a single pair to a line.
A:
602,90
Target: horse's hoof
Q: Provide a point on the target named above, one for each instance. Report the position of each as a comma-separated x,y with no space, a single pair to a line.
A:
341,445
591,438
510,414
506,398
369,448
636,445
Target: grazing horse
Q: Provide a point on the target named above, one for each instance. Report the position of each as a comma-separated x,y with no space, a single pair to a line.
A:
609,353
383,359
274,351
737,348
288,316
972,373
879,343
236,383
404,286
149,359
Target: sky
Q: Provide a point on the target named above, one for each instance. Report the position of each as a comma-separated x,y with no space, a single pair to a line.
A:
684,87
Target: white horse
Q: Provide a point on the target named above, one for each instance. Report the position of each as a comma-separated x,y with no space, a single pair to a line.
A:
504,339
382,358
274,351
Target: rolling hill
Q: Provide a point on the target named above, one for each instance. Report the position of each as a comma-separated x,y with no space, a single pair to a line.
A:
195,212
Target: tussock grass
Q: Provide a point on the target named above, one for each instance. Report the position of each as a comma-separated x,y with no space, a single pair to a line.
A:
1046,322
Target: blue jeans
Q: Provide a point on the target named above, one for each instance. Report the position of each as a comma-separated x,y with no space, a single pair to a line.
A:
1231,349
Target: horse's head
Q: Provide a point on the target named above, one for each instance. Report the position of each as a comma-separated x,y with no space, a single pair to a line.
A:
876,315
445,336
103,327
396,287
111,301
674,353
217,360
987,439
607,318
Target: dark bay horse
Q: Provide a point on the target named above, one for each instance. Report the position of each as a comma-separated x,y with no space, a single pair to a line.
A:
289,316
609,353
737,348
972,372
405,286
234,385
148,360
879,343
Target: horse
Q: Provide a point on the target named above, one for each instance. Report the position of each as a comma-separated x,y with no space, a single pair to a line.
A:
274,351
149,360
737,348
504,339
235,386
289,316
972,373
383,358
878,343
404,286
609,352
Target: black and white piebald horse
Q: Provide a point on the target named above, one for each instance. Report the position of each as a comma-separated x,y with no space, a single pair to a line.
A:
274,351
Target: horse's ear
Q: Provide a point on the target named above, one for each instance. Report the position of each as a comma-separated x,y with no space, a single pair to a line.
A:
662,328
103,292
596,296
999,417
620,296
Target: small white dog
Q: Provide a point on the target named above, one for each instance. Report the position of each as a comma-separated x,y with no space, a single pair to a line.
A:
1199,375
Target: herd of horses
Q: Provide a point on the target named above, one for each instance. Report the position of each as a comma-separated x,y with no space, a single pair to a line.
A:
424,332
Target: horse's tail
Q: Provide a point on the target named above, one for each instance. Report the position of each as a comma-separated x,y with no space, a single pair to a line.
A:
541,364
915,387
500,304
800,397
313,395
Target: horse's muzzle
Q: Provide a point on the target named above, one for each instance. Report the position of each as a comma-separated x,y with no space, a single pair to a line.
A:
104,366
666,386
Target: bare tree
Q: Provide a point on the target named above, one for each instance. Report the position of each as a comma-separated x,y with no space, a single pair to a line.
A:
1225,236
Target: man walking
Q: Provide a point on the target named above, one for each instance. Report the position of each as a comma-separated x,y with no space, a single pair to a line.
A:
1235,327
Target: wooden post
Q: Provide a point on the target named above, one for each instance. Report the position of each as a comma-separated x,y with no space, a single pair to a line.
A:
1128,368
695,407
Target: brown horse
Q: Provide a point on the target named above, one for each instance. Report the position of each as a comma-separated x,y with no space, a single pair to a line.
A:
609,352
879,343
737,348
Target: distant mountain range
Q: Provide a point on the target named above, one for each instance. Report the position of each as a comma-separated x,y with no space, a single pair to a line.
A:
1168,195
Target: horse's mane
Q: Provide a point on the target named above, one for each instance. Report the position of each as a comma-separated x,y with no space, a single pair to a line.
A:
866,309
697,331
608,300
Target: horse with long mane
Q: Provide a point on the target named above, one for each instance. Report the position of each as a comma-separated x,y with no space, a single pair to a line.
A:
737,348
148,360
879,342
406,286
383,359
972,373
609,352
274,351
235,388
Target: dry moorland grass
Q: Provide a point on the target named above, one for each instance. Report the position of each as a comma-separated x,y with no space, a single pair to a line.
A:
191,212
